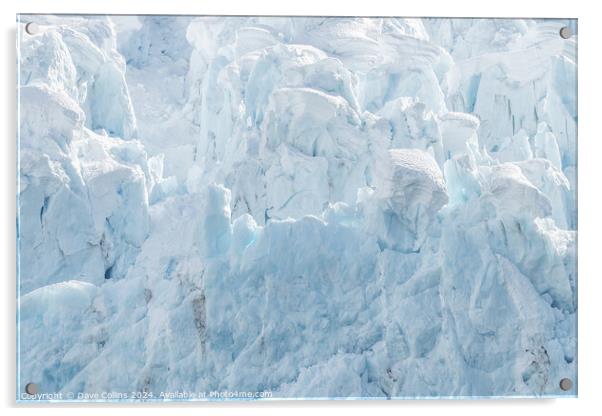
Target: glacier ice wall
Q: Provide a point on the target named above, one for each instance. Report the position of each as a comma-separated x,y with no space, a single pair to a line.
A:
315,207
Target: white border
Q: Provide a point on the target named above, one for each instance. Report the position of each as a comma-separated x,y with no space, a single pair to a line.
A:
590,210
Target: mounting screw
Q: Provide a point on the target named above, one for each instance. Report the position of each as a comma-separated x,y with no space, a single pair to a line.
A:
566,32
32,28
31,388
566,384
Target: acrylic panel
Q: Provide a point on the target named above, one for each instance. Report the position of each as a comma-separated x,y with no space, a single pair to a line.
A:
247,207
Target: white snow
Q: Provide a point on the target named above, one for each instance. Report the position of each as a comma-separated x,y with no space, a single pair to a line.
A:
318,207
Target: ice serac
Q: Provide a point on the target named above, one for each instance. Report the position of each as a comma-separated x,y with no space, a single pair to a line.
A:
82,195
318,207
411,191
79,56
157,55
514,84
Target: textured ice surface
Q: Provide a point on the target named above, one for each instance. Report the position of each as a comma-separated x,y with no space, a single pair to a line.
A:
314,207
